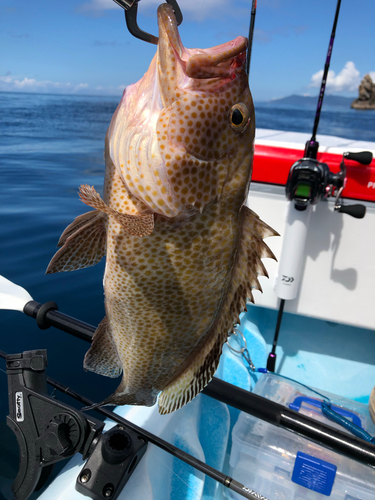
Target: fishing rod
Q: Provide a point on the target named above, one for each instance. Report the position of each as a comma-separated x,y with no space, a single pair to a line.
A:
309,181
255,405
251,36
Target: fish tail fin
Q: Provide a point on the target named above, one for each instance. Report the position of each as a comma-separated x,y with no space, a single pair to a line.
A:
248,267
121,396
83,243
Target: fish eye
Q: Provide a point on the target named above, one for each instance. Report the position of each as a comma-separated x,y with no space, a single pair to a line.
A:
239,117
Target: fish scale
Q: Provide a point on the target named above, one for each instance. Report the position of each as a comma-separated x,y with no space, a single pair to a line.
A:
183,252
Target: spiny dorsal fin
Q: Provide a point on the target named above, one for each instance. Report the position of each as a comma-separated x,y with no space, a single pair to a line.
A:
244,278
102,357
84,244
135,225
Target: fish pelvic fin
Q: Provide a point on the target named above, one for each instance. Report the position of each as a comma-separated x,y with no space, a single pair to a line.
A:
83,244
102,357
135,225
245,274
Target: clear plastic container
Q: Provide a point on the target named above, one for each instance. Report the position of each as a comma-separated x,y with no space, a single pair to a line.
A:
266,458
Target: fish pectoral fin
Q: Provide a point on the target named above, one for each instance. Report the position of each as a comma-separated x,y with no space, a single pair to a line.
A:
102,357
135,225
83,244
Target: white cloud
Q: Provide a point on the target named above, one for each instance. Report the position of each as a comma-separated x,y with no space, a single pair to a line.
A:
372,74
195,9
9,83
347,80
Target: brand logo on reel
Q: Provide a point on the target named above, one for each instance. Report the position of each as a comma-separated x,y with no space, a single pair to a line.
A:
19,407
287,279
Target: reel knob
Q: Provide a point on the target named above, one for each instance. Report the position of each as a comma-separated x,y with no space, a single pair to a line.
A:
357,211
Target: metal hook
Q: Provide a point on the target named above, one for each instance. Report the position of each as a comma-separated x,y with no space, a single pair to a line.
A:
131,10
245,353
237,333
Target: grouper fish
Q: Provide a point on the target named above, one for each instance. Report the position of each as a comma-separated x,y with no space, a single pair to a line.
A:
183,251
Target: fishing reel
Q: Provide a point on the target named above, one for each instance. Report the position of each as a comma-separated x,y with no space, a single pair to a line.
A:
310,181
49,431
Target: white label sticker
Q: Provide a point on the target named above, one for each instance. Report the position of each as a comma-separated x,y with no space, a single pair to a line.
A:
19,407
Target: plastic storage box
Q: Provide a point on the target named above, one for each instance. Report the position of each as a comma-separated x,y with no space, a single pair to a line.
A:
282,465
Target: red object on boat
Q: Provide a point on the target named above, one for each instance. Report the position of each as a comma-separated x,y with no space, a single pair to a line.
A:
272,165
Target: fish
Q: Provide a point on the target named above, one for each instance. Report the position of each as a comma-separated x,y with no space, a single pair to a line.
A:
183,251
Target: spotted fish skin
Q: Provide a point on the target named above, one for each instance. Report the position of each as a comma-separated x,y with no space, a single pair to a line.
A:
183,252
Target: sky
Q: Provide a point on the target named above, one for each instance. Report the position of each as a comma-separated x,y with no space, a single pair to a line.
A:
84,47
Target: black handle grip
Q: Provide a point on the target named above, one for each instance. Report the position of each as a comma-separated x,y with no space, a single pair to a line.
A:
357,211
364,157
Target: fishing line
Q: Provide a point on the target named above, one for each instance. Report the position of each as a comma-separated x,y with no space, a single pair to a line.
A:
311,151
153,452
326,404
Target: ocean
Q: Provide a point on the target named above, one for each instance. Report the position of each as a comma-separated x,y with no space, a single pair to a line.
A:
49,145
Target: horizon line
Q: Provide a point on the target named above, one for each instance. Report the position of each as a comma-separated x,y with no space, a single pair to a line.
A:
120,94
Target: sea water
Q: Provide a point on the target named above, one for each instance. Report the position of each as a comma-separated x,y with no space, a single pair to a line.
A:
49,145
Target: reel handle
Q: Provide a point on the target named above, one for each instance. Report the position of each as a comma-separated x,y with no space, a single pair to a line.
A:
357,211
364,157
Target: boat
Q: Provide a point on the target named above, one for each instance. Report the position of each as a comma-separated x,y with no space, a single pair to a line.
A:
327,342
324,353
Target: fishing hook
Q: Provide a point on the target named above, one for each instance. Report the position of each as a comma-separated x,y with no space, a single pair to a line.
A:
131,10
245,353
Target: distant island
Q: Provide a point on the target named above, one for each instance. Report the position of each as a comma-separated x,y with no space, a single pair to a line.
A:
308,101
366,91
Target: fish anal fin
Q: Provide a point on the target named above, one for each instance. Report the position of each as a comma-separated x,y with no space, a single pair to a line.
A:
135,225
248,267
83,244
195,377
102,357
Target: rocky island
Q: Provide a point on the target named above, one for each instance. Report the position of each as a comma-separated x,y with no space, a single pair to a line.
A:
366,98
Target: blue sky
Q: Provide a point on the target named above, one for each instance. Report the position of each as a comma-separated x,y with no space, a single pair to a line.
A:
83,46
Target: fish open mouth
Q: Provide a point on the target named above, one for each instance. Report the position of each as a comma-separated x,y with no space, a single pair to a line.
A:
221,61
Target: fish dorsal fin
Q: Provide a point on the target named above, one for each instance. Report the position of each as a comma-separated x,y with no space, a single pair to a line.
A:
135,225
102,357
203,364
83,244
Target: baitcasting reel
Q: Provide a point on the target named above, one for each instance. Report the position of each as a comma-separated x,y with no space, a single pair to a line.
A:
310,181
